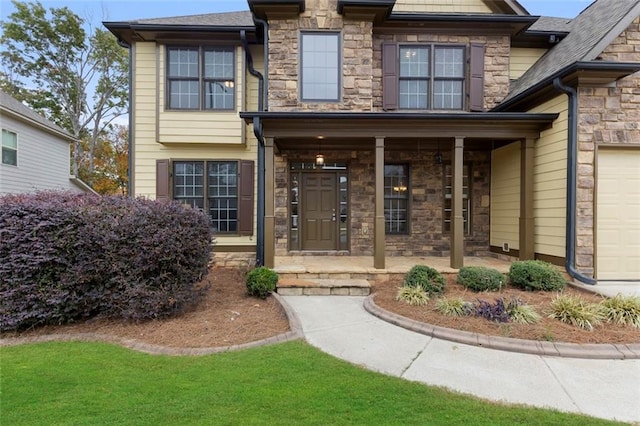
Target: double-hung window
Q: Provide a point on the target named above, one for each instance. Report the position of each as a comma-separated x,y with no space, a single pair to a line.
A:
396,198
320,66
212,186
200,78
9,148
431,77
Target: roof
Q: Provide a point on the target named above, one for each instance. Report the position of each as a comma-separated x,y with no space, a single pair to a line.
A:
549,24
225,19
591,32
13,106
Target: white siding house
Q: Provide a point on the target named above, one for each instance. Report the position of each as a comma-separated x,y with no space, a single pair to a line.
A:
35,152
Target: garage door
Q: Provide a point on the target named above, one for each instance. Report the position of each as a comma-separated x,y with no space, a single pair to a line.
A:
618,215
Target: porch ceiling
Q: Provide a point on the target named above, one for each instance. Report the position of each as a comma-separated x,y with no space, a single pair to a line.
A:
352,130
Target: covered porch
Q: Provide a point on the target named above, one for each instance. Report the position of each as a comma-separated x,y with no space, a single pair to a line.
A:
368,141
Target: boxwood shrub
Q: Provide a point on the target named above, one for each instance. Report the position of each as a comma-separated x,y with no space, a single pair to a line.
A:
65,257
479,278
261,282
432,281
536,275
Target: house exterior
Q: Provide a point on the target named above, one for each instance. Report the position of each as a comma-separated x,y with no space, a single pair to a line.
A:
397,128
35,152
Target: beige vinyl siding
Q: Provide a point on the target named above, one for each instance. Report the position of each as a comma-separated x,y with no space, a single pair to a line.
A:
200,127
521,59
437,6
148,76
550,181
505,196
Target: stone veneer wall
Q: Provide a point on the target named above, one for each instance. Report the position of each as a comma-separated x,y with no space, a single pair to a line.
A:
606,115
426,185
357,63
496,61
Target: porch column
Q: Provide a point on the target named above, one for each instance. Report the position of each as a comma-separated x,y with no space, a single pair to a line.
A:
457,220
378,225
527,249
269,204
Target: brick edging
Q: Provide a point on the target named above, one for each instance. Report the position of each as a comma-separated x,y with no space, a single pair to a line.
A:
294,334
565,350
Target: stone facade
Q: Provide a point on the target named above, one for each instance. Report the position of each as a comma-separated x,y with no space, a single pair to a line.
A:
357,63
426,237
496,61
607,115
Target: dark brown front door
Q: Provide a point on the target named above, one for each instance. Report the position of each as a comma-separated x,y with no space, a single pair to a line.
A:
319,203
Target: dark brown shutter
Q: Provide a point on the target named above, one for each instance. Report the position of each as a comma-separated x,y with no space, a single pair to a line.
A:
245,207
389,76
476,73
163,186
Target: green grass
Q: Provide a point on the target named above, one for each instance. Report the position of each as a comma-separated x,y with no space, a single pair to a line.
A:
291,383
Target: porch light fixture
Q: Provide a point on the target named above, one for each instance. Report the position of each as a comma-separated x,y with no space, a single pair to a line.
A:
319,156
400,188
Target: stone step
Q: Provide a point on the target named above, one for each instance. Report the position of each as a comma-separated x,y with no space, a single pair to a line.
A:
323,287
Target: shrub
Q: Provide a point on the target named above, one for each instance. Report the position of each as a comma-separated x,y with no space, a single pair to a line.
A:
414,296
492,311
479,278
574,310
521,313
261,282
66,256
455,307
426,277
535,275
623,310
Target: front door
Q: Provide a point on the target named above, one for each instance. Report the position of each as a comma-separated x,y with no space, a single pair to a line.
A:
319,216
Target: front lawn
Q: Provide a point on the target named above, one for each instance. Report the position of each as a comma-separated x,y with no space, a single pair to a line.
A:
290,383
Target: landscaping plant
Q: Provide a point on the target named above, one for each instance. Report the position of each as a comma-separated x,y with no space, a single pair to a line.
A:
521,313
455,307
426,277
479,278
412,295
623,310
261,282
536,275
496,311
574,310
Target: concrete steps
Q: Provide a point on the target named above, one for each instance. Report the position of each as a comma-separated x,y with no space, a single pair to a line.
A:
323,287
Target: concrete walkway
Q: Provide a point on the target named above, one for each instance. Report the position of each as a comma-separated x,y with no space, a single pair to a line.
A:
340,326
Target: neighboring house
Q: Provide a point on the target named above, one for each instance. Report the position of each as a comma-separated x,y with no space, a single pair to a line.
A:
35,152
397,128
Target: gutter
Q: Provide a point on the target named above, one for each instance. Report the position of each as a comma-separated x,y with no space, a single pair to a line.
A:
257,131
572,154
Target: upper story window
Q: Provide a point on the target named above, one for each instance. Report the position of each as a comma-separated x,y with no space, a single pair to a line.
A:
9,148
432,77
320,66
200,78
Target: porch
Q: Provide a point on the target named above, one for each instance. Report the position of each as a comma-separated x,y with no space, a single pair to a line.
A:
354,275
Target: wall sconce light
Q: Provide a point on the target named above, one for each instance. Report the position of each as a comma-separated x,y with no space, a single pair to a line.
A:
401,187
438,156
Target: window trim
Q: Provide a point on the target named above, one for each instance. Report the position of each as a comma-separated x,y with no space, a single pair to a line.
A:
205,197
3,147
431,77
408,199
202,48
338,36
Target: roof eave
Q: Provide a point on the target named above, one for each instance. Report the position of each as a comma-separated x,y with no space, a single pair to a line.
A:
60,133
592,72
130,32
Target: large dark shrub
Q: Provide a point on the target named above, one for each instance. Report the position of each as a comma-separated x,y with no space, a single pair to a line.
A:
261,282
66,256
479,278
536,275
426,277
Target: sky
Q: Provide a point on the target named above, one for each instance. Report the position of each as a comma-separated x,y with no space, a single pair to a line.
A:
96,11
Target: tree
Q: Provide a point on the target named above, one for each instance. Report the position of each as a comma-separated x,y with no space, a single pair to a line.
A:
111,161
77,80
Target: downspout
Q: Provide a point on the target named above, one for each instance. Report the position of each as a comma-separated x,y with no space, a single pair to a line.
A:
257,130
572,155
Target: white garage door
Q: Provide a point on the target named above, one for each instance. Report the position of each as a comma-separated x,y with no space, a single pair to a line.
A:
618,215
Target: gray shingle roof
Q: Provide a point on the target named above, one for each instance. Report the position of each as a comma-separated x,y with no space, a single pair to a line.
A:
552,25
11,104
592,30
240,19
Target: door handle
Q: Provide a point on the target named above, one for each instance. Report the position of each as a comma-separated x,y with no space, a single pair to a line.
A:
333,217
